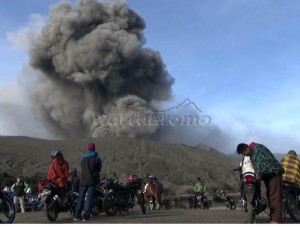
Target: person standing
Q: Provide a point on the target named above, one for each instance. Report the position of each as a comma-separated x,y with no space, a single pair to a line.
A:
268,169
90,176
19,188
74,180
291,165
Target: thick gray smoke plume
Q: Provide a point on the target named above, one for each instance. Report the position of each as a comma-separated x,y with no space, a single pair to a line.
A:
91,62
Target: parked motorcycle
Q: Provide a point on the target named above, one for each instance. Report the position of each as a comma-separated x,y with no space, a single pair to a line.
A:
291,200
251,201
121,198
7,208
49,197
222,195
200,201
101,190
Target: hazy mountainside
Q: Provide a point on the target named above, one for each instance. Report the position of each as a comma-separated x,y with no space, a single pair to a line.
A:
176,165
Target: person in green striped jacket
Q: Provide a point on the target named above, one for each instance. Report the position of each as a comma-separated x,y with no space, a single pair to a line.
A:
268,169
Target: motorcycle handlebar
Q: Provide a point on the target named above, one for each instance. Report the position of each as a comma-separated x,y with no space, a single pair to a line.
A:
237,169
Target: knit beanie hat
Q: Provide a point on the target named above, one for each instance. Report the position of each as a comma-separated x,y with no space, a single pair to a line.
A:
91,147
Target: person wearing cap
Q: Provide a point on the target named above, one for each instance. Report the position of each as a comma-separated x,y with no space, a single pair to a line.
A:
90,176
268,169
58,173
291,165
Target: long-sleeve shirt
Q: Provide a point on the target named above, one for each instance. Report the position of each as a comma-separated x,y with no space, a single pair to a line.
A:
90,169
19,188
291,165
58,171
264,161
199,187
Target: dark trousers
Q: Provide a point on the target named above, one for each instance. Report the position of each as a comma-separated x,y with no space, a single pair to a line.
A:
89,193
274,195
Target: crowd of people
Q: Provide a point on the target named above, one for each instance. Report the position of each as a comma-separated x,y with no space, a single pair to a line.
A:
265,166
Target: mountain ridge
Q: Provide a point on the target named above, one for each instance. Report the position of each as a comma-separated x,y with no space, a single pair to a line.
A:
177,166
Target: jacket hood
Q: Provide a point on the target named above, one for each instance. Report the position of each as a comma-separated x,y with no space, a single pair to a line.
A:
90,154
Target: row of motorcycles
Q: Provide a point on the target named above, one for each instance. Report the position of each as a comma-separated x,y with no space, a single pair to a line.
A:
254,204
110,197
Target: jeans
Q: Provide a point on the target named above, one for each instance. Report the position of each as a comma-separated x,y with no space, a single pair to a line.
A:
86,197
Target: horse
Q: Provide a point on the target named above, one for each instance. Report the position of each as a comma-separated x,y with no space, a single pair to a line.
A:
152,194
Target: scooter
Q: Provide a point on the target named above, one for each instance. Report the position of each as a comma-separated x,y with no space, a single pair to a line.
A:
250,191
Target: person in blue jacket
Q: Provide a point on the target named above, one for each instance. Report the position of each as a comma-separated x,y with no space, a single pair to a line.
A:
90,176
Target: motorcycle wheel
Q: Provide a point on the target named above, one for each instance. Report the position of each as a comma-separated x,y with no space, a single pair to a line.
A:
205,205
7,211
151,204
110,203
97,207
201,205
50,210
227,205
244,206
141,202
293,208
251,213
232,205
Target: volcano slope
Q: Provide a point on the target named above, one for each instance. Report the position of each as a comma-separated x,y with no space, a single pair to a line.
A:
177,166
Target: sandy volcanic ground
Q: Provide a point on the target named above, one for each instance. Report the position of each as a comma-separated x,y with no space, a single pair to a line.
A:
179,216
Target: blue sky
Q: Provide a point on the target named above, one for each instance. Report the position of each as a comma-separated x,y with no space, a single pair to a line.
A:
238,60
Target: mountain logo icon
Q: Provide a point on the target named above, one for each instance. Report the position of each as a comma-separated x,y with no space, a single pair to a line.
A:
176,118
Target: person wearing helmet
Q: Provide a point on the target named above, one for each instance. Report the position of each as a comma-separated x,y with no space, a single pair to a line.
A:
90,176
291,165
58,172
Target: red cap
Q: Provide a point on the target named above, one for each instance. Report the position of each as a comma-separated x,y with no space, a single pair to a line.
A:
91,147
251,145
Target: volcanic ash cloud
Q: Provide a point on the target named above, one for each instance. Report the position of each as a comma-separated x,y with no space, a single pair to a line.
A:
90,61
